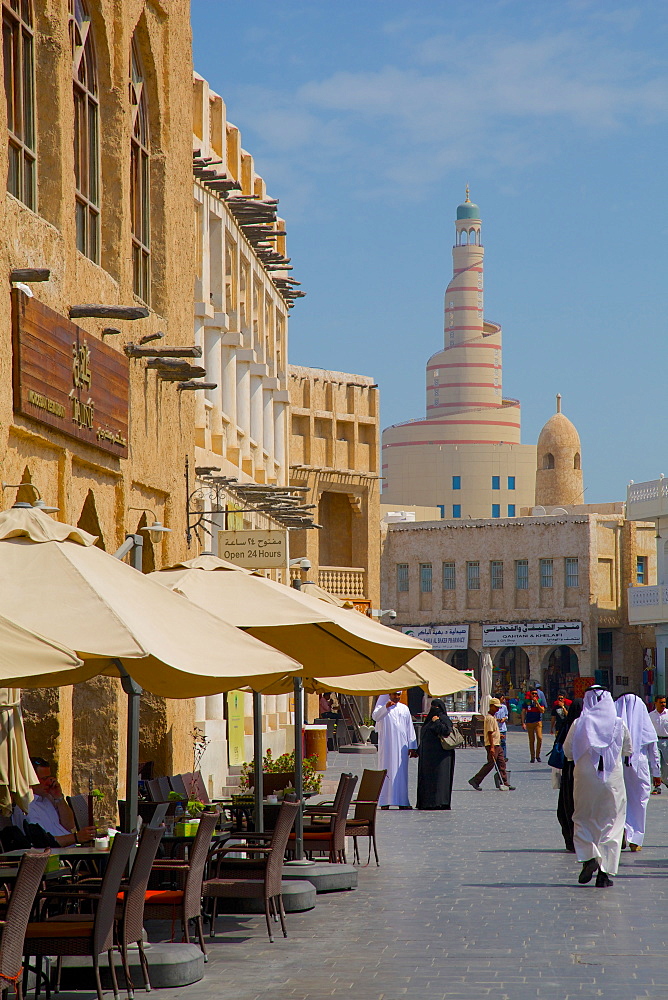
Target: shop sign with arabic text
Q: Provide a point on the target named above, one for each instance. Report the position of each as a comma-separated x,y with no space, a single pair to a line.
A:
68,379
533,634
254,549
440,636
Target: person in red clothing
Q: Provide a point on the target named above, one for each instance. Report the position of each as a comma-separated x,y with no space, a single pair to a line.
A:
532,722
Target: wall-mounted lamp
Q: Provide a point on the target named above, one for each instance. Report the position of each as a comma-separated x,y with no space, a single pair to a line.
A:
157,530
37,503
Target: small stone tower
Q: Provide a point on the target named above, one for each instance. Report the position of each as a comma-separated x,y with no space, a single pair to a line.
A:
559,463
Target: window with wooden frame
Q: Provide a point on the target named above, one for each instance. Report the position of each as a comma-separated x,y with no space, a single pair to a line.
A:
140,184
19,70
86,132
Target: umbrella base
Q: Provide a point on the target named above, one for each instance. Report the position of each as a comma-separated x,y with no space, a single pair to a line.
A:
297,896
325,877
169,965
358,748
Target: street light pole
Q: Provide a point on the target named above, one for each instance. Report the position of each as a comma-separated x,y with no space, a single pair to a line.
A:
299,760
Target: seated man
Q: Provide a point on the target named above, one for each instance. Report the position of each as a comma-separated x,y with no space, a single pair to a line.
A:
50,810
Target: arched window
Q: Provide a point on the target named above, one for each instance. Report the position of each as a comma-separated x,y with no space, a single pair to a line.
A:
576,460
86,132
139,182
472,237
548,461
17,50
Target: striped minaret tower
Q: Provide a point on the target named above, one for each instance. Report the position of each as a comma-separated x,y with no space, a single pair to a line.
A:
465,456
466,374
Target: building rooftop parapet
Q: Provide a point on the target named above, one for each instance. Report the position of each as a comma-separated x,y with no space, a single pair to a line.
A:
504,522
647,500
301,371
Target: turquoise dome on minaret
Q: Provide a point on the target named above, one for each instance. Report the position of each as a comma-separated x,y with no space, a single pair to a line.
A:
467,210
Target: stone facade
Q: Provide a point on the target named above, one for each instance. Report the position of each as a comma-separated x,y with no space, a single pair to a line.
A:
561,568
241,318
76,220
241,323
334,452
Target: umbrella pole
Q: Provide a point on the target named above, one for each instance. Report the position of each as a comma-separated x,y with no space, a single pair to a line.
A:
299,760
257,765
133,691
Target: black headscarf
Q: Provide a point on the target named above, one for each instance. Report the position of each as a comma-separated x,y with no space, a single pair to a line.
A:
443,727
574,712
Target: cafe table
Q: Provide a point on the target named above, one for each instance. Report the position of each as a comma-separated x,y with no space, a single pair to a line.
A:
74,851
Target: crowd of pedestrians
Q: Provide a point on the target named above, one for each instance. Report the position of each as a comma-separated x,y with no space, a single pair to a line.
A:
608,757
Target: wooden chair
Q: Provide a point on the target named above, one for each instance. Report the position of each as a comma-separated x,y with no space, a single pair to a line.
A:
259,876
331,838
81,933
30,874
363,822
184,903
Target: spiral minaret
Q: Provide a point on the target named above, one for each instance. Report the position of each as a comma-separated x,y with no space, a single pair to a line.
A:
465,456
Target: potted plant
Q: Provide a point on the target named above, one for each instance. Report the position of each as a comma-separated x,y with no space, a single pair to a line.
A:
278,773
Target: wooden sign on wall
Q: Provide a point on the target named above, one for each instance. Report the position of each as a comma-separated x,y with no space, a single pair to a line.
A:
67,379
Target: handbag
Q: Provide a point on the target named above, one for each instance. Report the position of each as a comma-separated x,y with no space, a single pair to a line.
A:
556,756
453,740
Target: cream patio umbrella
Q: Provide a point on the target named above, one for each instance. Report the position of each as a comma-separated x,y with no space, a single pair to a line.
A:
18,646
486,668
324,638
54,580
425,670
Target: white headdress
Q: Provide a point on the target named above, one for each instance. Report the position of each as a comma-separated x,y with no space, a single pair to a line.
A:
632,710
598,732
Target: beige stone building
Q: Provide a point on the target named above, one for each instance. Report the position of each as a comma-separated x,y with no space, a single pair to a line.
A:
242,300
648,594
97,159
241,303
334,453
556,583
544,593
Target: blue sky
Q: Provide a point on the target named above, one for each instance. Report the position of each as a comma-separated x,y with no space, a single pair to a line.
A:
368,118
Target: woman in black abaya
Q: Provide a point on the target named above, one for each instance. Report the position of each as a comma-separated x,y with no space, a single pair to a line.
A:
436,766
566,805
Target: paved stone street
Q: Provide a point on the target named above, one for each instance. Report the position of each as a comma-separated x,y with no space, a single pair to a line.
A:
478,903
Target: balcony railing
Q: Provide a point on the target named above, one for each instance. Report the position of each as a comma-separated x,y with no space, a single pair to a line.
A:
645,501
648,605
343,581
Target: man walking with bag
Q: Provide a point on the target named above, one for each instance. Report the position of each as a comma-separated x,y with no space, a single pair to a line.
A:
495,758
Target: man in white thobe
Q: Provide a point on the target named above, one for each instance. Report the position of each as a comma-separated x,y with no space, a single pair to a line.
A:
396,742
597,742
644,762
659,719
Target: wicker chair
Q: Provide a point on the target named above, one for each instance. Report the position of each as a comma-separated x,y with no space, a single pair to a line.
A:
81,933
130,916
331,838
184,903
31,872
258,877
82,809
363,822
158,789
